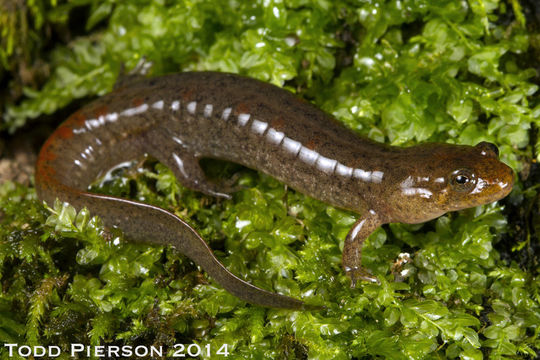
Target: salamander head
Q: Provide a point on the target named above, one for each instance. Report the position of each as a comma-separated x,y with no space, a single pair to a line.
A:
444,177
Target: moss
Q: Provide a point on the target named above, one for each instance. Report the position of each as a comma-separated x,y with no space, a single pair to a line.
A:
399,72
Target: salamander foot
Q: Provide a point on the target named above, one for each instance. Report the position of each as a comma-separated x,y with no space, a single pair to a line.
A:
360,273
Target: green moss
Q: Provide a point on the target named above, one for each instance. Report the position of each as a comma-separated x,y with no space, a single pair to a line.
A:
399,72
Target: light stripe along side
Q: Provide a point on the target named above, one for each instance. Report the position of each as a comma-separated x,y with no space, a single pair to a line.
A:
291,145
158,105
325,164
243,119
259,127
344,170
308,156
226,113
274,137
192,107
134,111
208,108
112,117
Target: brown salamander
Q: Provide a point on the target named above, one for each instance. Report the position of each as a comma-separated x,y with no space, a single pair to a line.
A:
181,118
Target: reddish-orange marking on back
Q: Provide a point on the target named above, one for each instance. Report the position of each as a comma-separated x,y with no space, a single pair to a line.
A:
46,172
64,132
138,101
77,118
312,144
278,123
102,110
187,94
46,153
241,108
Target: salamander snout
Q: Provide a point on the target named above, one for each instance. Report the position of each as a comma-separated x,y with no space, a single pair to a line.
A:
504,181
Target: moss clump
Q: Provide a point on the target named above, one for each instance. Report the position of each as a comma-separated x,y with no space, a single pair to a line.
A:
399,72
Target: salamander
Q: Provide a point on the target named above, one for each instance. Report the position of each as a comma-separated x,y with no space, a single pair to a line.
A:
181,118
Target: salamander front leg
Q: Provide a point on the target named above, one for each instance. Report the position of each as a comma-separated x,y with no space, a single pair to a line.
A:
352,251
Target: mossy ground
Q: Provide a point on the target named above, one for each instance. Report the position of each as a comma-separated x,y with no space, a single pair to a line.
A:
399,72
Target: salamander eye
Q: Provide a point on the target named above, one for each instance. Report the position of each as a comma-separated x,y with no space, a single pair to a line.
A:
462,180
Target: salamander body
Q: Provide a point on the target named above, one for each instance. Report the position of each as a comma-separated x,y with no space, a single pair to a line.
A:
181,118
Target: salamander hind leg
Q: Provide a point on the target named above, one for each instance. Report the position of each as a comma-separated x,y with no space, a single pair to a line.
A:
352,251
185,166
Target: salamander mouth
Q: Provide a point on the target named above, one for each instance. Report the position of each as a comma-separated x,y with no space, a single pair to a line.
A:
496,188
506,182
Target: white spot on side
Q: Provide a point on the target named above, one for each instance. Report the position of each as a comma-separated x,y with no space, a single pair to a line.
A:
425,193
208,108
325,164
274,137
134,111
259,127
79,131
175,105
192,107
407,183
371,176
112,117
178,140
91,123
226,114
78,163
243,119
180,164
101,120
362,174
87,153
377,176
308,156
480,185
408,189
343,170
291,146
158,105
